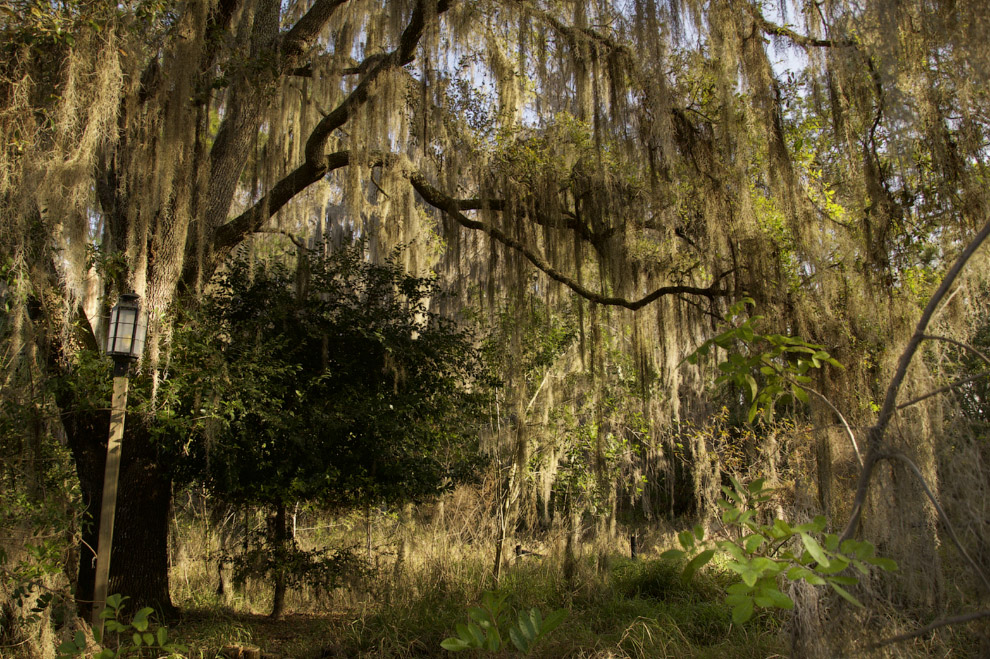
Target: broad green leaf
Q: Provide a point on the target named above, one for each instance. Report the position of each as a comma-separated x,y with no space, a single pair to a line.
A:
742,611
836,564
796,573
782,526
732,549
846,595
754,542
857,548
136,639
518,640
732,600
140,621
672,555
527,625
162,636
149,638
753,388
68,648
475,632
815,550
753,411
799,393
845,581
697,562
553,620
80,639
480,615
763,601
686,538
738,588
493,641
887,564
780,600
699,532
454,644
756,486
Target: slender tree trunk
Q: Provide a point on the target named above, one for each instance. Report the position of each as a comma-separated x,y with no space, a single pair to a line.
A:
280,536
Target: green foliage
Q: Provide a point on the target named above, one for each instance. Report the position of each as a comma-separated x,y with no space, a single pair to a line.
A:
320,569
765,553
140,637
770,368
488,626
347,389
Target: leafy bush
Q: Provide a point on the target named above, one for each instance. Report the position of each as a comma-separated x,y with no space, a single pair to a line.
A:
122,639
488,627
762,553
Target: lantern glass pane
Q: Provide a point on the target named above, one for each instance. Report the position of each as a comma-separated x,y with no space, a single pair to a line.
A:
126,332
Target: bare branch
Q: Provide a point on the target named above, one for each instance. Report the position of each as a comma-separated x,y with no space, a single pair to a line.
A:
964,346
944,622
940,390
303,34
875,434
897,455
281,232
845,424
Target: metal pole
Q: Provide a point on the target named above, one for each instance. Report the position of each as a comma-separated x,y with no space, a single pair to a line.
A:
109,503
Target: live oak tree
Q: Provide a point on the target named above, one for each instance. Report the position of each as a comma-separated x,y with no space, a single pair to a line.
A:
654,158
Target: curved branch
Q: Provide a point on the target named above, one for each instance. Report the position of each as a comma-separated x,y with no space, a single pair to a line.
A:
876,433
897,455
845,424
945,622
940,390
403,54
302,35
450,206
964,346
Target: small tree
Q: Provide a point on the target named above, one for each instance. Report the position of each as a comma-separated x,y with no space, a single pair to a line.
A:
335,384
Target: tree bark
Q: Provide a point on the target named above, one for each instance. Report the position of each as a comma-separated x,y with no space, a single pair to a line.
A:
139,561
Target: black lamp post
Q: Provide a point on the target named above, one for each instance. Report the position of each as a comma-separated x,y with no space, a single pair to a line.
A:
125,342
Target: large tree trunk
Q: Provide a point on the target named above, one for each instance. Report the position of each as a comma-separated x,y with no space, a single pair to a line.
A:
139,560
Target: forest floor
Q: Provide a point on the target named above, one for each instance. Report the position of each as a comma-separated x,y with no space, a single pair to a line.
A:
636,609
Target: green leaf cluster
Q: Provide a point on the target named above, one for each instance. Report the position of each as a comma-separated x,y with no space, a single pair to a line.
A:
487,627
130,639
770,368
764,554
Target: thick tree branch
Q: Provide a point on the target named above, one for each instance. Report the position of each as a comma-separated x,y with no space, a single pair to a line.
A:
403,54
253,219
232,233
451,206
302,35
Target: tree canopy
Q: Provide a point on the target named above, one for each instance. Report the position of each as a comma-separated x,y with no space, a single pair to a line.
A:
640,166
